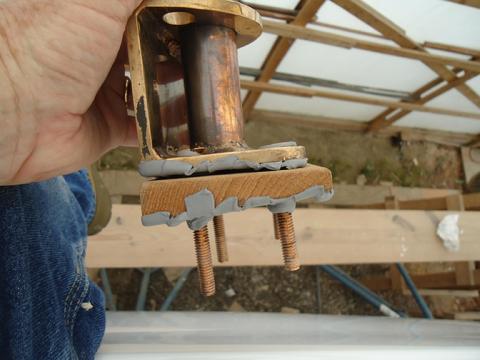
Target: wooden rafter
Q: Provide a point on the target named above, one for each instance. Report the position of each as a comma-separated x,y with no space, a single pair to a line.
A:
389,116
289,15
385,27
279,50
472,3
435,61
451,48
309,92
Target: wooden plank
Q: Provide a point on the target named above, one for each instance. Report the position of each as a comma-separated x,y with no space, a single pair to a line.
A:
169,195
377,21
323,122
447,292
444,280
463,270
451,48
472,201
309,92
464,273
289,15
468,316
278,52
384,119
391,203
129,182
299,32
472,3
324,236
475,142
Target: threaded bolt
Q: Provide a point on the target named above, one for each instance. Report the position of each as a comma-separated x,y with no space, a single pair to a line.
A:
289,245
220,239
276,228
204,262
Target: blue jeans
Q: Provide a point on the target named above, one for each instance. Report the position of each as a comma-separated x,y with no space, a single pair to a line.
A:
48,307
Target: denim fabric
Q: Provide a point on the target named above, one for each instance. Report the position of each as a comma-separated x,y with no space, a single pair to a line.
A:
48,307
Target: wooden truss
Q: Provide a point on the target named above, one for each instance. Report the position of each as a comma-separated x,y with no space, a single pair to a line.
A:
402,46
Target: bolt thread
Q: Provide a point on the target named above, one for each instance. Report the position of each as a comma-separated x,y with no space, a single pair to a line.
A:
220,239
204,262
289,244
276,227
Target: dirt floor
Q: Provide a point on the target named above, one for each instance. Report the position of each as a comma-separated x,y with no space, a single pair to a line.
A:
349,155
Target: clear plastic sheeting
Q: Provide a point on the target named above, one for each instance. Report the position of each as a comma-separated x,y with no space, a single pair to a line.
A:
185,335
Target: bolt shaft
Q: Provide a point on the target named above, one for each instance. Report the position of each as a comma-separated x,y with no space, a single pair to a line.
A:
289,244
276,227
220,239
204,262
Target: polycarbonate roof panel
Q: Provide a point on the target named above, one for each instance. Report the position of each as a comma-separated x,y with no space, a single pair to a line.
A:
426,20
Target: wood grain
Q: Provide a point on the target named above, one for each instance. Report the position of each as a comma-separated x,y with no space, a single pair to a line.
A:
299,32
324,236
169,195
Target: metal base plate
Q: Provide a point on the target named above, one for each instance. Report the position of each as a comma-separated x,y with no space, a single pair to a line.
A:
270,158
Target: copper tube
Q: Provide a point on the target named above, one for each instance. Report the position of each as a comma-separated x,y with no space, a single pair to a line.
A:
171,129
220,239
289,245
204,262
212,82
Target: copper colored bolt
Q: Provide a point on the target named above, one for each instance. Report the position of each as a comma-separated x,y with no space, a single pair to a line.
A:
289,245
276,227
220,238
204,262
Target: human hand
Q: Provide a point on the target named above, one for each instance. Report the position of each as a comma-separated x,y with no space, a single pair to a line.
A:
62,85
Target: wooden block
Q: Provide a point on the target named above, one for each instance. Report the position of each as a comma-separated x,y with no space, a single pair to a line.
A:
169,195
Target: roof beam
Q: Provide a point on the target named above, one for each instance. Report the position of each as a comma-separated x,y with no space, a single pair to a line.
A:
377,21
289,15
451,48
472,3
308,92
299,32
384,119
278,52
